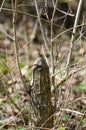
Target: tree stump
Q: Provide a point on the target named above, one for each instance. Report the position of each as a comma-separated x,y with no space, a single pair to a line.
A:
41,94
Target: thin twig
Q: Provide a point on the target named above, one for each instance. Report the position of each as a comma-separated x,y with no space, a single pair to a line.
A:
49,119
8,95
83,117
2,5
8,68
15,40
68,76
41,27
52,44
2,87
66,13
45,20
10,120
3,31
78,99
67,31
31,15
52,49
73,35
64,21
63,69
73,111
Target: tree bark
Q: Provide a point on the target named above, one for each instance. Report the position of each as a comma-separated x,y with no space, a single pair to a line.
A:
41,94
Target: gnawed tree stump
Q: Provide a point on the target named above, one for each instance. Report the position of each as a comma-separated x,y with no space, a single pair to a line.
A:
41,94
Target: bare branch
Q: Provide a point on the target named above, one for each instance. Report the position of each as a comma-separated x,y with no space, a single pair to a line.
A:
41,27
73,34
